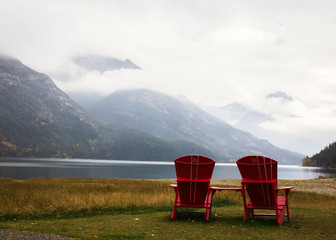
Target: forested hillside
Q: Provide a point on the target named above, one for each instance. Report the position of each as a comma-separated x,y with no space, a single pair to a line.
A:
325,158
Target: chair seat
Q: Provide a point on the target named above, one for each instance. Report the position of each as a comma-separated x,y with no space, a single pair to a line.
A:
205,205
281,204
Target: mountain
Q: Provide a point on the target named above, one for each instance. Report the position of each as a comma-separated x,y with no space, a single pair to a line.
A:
240,116
281,107
171,119
79,70
243,118
35,113
38,120
103,64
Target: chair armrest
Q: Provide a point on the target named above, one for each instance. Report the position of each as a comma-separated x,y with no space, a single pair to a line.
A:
173,185
285,188
224,188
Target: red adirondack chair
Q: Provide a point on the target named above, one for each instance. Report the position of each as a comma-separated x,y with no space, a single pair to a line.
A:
259,180
193,174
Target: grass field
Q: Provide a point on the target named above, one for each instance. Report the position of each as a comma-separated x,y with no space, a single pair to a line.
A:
140,209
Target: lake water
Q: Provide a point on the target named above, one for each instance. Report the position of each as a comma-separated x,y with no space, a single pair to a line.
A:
25,168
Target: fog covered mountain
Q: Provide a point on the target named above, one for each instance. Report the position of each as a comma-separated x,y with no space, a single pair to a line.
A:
267,125
284,97
37,119
103,64
78,66
169,118
239,115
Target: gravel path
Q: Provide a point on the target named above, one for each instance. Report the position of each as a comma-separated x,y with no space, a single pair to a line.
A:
18,235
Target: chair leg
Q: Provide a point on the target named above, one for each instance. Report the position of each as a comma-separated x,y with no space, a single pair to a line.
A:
175,204
247,214
207,214
287,209
281,216
247,211
287,204
172,218
209,204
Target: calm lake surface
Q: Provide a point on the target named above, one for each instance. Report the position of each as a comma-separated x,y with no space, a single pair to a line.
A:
25,168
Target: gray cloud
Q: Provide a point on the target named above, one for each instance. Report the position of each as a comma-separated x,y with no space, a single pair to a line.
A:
213,52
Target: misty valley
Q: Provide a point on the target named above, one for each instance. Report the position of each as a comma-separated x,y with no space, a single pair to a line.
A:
39,120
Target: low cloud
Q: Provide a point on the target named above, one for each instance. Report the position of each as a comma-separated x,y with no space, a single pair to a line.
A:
213,54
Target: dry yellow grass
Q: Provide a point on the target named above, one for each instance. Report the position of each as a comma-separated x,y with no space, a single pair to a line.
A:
306,193
45,196
318,186
41,196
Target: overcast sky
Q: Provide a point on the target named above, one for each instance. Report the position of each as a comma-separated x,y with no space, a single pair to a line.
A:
212,52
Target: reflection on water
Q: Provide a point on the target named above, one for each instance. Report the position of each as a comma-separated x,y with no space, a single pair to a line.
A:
24,168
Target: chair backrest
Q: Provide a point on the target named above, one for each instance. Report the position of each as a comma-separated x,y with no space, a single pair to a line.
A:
193,173
259,175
